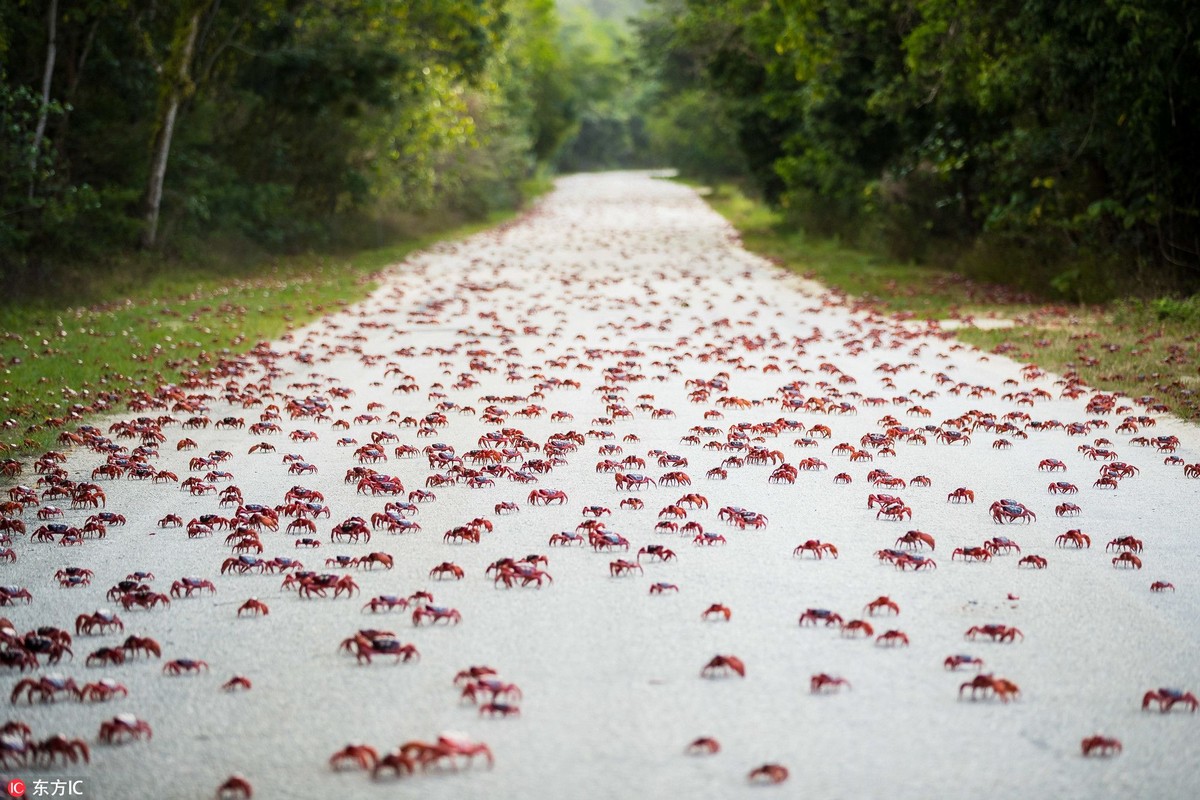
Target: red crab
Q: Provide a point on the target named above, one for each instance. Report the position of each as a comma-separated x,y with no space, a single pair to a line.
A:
768,774
881,604
1002,633
723,665
1098,745
961,495
124,727
824,682
1169,698
817,548
962,660
547,496
435,614
717,610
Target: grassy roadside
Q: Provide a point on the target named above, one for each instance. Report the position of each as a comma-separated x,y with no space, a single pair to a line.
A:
1142,348
59,365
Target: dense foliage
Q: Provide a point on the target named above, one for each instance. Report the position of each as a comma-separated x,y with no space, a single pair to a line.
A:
277,124
1048,143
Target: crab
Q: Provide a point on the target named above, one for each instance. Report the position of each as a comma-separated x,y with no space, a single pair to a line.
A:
971,554
188,585
1001,545
545,497
881,604
622,567
962,660
71,750
489,686
657,551
723,665
99,621
102,690
242,564
814,615
124,727
817,548
1127,560
633,480
312,585
1011,511
1002,688
1169,698
183,666
524,571
385,602
607,540
358,756
717,610
892,638
915,539
46,689
894,512
769,774
493,709
447,569
1052,465
1001,633
254,607
904,561
661,588
435,614
104,656
855,627
824,682
381,644
703,746
1098,745
141,645
961,495
80,576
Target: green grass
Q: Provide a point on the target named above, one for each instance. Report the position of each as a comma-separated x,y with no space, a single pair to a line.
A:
908,289
1141,348
1125,346
152,324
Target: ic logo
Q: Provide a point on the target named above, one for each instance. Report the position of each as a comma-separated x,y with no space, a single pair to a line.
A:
16,788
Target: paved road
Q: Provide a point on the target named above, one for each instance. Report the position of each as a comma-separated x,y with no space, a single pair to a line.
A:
623,312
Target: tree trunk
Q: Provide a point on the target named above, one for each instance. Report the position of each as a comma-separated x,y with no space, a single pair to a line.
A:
47,77
177,77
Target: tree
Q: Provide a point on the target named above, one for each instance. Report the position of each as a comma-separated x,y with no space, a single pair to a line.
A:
176,86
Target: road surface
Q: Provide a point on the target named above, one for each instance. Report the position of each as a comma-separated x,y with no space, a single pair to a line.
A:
624,312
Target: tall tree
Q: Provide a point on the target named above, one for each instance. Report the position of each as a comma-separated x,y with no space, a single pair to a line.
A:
175,87
47,75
